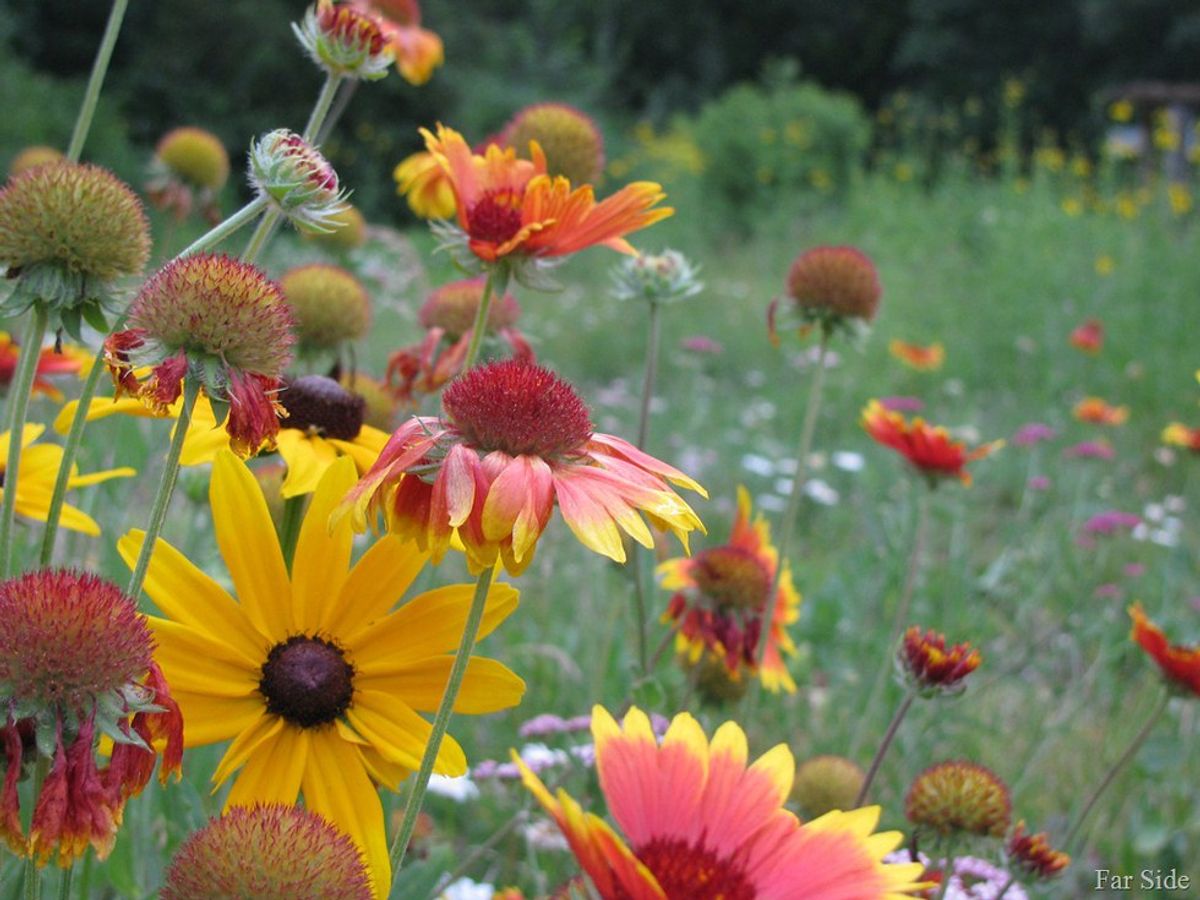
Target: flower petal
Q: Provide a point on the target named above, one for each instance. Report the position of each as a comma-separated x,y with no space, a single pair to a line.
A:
487,687
273,773
400,735
322,553
378,580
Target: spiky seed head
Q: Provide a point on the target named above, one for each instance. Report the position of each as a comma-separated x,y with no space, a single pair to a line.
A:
329,304
453,307
572,143
838,282
825,783
194,156
959,796
32,157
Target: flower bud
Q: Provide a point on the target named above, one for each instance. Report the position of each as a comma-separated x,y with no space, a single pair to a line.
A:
296,180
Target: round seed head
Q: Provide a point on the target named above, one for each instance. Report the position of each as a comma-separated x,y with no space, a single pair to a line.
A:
31,158
838,282
959,796
194,156
453,308
572,143
329,304
826,783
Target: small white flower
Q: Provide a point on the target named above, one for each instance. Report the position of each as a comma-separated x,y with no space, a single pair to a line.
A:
849,461
759,465
460,789
466,889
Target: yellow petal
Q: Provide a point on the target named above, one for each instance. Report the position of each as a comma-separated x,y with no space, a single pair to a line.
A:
208,719
246,536
192,661
322,554
375,584
273,773
97,477
487,687
265,728
399,734
100,408
306,457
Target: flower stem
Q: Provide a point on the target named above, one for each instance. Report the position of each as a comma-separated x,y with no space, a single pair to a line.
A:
18,409
497,283
947,870
1012,879
321,108
33,873
788,524
83,123
243,216
345,94
289,528
64,884
263,231
166,487
441,719
1130,752
901,712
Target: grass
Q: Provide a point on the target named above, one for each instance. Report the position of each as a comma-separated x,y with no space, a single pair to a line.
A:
1000,277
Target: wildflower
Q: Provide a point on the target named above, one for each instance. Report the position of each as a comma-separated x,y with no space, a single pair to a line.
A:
32,157
1121,111
345,41
1099,412
1033,433
76,661
1105,265
1180,664
826,783
1111,522
1090,450
36,474
295,179
189,164
1088,337
315,679
268,850
959,796
928,448
69,360
659,278
219,321
330,306
971,878
698,822
69,231
699,343
933,668
1179,435
572,143
510,209
923,359
1039,483
1033,853
830,286
417,50
448,316
514,440
422,181
722,596
902,404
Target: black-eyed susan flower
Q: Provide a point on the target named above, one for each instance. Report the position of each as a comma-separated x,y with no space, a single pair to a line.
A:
830,287
345,41
572,142
448,316
959,797
510,209
189,168
1033,854
76,661
68,231
515,441
317,680
296,181
722,596
928,448
927,358
268,850
698,821
418,51
1180,664
216,320
69,359
330,306
37,473
932,667
1098,411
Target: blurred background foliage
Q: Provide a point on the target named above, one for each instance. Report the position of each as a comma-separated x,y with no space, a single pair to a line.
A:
762,96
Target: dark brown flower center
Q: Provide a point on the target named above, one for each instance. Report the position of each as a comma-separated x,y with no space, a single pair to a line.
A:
731,576
307,680
687,870
496,218
519,408
320,405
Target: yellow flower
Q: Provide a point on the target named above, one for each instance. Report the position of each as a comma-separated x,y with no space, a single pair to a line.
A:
422,182
1121,111
1180,198
37,473
1072,206
318,684
1105,265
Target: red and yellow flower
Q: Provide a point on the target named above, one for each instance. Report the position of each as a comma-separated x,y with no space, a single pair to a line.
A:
1033,853
931,666
720,597
1097,411
1179,663
699,821
515,441
923,359
929,448
70,360
511,207
418,51
1179,435
422,181
1088,337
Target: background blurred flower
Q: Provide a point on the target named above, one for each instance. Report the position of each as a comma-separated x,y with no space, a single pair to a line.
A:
929,449
570,139
959,796
923,359
190,165
1088,337
1180,664
1099,412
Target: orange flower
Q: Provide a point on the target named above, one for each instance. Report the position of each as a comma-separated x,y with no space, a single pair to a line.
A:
511,207
1180,664
69,361
929,448
1100,412
1033,853
516,439
721,594
423,182
1088,337
931,666
700,822
418,51
1179,435
923,359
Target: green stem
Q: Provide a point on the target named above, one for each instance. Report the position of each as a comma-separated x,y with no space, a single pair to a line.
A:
258,240
18,409
1004,890
64,884
321,108
33,874
788,524
496,284
652,343
91,96
289,528
243,216
166,487
947,870
345,93
1130,752
441,720
893,727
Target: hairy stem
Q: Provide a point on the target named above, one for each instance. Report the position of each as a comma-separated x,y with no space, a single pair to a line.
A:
91,96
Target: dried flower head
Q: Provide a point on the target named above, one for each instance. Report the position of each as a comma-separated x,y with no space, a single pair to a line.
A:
296,180
959,796
271,850
215,319
190,165
659,278
69,231
32,157
345,40
572,143
329,304
831,287
933,668
1033,853
826,783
